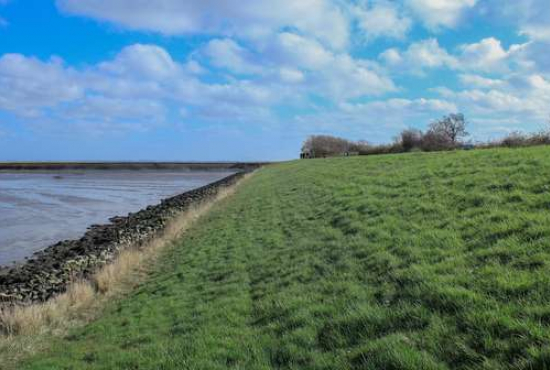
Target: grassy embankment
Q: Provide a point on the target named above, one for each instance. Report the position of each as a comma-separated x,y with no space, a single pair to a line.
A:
418,261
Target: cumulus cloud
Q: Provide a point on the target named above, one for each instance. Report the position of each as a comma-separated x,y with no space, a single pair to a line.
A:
264,57
488,55
28,84
440,13
425,54
531,16
335,75
149,61
245,18
382,19
291,75
112,113
295,50
142,84
476,81
226,53
403,107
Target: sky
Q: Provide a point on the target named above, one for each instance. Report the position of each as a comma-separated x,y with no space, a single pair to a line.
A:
247,80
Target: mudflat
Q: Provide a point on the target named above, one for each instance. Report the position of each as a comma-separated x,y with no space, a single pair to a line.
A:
39,208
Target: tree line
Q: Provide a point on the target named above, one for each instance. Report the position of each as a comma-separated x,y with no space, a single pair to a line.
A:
447,133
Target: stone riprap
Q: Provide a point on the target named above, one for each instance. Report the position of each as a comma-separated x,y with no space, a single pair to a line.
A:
51,270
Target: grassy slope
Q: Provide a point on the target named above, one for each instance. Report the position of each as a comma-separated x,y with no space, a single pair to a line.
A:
432,261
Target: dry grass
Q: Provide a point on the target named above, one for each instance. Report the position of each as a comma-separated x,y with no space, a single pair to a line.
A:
26,329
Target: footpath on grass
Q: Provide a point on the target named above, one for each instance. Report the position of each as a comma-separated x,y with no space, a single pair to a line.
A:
414,261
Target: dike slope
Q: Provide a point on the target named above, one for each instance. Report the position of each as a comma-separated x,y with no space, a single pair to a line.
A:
436,261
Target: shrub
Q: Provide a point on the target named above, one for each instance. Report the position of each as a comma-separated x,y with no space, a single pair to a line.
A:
410,139
518,139
436,141
317,146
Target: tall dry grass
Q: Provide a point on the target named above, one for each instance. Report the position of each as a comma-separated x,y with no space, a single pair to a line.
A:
25,329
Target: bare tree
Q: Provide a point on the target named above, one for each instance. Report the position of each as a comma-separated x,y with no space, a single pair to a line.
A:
451,127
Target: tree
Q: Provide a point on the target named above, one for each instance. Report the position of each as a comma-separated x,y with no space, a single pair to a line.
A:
451,127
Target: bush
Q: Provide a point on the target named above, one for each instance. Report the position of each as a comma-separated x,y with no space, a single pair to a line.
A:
518,139
318,146
410,139
436,141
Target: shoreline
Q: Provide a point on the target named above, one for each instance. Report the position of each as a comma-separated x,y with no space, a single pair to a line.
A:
134,166
48,272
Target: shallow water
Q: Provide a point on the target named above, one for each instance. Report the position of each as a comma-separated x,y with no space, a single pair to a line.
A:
39,209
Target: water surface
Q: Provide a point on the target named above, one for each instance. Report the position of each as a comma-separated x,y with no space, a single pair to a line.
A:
38,209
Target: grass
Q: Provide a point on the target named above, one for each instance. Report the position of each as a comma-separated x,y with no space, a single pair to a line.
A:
415,261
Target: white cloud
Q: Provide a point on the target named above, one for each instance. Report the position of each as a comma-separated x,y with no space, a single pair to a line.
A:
402,106
531,16
429,54
391,57
112,109
487,55
534,56
149,61
195,68
291,75
337,76
440,13
383,19
226,53
298,51
322,19
425,54
476,81
143,85
350,78
28,84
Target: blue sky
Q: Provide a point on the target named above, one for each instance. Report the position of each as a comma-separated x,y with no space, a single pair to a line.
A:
250,79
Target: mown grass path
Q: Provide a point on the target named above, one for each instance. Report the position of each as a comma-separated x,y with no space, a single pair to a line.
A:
419,261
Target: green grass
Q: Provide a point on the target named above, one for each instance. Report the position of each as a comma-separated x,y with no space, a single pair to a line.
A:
417,261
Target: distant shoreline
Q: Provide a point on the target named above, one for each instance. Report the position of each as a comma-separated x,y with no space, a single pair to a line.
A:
33,166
